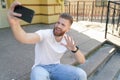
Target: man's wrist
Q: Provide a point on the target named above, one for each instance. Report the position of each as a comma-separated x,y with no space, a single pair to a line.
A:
74,51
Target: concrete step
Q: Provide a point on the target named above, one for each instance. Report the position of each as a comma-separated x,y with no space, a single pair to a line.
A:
69,58
99,57
117,77
110,69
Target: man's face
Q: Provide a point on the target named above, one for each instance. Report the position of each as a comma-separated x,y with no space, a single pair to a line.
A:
61,27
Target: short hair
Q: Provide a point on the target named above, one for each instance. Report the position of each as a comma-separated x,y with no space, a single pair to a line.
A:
67,16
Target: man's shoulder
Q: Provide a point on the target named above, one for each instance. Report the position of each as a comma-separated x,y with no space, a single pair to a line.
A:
44,31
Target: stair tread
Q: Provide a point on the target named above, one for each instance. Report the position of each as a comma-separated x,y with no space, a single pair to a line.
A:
69,58
97,59
110,70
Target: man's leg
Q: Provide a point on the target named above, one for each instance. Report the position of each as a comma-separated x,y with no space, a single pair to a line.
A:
68,72
39,73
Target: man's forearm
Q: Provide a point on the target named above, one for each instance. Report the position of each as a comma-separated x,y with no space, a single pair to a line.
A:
22,36
80,57
18,32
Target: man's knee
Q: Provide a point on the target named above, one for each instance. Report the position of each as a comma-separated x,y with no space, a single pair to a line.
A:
39,73
81,74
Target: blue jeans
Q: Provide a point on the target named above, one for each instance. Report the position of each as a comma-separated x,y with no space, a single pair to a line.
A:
57,72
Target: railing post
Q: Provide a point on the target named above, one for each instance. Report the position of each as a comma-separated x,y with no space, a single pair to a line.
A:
77,10
108,10
83,9
118,21
102,12
92,10
69,7
113,18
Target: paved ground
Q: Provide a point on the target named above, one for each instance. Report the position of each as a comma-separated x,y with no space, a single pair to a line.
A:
16,59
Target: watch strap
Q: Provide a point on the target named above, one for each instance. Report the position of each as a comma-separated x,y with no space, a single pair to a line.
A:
75,50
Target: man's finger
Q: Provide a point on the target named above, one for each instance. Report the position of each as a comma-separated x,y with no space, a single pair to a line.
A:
16,14
15,3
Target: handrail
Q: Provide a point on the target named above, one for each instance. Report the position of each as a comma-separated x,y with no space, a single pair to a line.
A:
113,8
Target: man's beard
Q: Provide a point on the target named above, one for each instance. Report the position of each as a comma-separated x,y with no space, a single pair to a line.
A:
58,32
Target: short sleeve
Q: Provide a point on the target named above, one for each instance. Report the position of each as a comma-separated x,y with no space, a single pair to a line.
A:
42,33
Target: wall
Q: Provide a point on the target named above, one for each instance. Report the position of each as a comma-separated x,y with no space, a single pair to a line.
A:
46,11
3,14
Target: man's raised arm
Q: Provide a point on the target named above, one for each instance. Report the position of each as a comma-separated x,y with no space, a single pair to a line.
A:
19,33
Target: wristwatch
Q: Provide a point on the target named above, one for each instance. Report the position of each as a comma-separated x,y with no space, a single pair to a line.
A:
75,50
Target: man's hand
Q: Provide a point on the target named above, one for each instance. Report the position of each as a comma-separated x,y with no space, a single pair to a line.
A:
70,44
11,14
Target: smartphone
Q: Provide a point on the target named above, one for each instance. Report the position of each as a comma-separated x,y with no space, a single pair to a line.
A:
27,14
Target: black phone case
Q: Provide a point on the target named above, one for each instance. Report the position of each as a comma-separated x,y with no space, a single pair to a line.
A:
27,14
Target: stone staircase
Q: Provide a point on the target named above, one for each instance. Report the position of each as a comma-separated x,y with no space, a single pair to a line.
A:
103,64
109,71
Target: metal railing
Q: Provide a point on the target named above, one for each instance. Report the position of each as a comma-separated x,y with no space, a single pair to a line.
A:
113,21
86,10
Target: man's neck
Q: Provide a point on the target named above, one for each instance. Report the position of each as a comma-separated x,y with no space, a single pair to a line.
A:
58,38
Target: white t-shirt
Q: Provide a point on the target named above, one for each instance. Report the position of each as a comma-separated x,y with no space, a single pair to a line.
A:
48,50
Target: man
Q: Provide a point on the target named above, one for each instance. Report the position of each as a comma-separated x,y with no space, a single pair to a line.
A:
51,44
